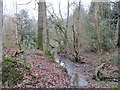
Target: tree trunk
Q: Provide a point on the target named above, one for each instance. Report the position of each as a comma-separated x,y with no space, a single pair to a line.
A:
1,28
41,15
47,43
16,31
45,31
67,14
78,36
118,44
97,25
118,25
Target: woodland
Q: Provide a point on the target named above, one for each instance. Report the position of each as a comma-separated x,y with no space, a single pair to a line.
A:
72,47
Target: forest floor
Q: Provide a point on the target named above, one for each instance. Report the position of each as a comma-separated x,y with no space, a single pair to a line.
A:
92,60
48,74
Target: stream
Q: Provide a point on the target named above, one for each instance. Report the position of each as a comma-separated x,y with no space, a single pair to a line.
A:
71,69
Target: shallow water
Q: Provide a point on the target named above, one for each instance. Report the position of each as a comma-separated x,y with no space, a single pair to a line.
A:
71,68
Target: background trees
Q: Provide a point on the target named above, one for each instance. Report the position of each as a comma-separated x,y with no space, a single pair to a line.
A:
72,34
107,25
26,33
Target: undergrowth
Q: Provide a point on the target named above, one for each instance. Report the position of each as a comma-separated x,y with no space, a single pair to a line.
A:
10,73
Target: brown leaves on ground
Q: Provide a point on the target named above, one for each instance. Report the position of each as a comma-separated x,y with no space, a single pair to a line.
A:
44,73
47,75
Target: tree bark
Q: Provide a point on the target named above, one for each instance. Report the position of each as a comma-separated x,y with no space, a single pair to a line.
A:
41,18
45,31
1,28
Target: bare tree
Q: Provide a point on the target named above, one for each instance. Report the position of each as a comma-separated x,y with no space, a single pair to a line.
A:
79,27
16,32
60,11
76,36
64,31
60,28
67,14
97,24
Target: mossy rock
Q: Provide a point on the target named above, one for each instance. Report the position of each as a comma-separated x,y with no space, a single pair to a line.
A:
99,72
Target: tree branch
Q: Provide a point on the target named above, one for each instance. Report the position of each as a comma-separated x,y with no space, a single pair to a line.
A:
26,3
60,12
67,14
